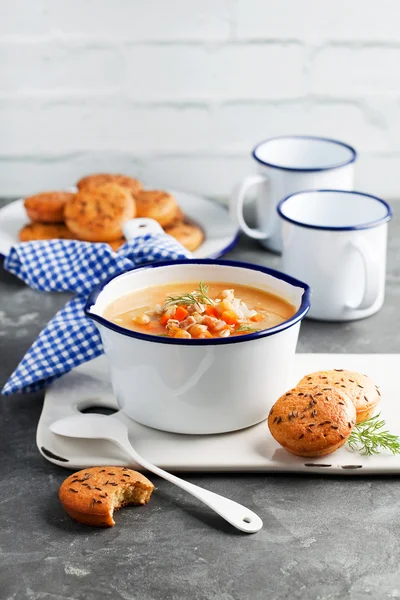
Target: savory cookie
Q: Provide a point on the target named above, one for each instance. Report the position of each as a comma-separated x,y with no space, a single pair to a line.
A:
157,205
97,214
47,207
93,181
188,234
312,422
90,496
359,388
179,217
45,231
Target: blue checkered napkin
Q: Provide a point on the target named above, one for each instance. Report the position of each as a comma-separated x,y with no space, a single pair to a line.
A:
70,338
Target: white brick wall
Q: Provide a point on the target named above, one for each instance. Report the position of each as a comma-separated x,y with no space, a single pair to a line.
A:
178,91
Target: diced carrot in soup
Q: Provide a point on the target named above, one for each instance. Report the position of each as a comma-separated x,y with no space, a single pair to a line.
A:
257,318
164,319
181,313
230,317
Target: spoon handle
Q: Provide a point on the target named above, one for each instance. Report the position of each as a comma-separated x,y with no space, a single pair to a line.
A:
237,515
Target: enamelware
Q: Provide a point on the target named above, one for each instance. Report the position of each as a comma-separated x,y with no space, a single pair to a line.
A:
199,386
97,426
221,233
336,241
88,387
287,165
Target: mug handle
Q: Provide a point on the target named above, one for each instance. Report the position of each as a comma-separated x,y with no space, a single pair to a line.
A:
371,270
236,206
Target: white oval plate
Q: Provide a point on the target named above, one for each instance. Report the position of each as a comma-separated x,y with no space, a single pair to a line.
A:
220,233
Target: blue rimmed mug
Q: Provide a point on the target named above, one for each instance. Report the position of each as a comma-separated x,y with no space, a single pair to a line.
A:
287,165
336,241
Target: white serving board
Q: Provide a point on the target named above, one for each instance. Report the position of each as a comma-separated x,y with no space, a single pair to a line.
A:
250,450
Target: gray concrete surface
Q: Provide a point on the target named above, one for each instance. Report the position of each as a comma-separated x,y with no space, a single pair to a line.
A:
324,538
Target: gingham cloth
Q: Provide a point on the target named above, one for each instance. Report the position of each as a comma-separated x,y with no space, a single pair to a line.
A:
70,338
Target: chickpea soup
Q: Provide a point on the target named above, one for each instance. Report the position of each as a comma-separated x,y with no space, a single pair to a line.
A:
199,310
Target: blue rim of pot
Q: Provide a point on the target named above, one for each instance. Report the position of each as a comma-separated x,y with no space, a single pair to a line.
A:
298,316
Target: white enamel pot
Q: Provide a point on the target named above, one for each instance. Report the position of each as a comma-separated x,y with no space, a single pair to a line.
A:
199,386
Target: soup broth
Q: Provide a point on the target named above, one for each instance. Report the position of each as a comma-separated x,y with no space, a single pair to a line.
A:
199,310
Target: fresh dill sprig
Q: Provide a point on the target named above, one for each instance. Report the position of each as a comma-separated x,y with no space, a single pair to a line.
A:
203,289
200,295
185,300
246,329
369,438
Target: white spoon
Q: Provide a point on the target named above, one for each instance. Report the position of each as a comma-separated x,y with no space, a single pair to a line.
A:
95,426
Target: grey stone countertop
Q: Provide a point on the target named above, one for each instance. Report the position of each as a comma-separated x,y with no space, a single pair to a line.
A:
324,537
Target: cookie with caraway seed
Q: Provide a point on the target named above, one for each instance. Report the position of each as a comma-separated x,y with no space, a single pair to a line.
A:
47,207
98,214
358,387
92,495
158,205
98,179
34,232
312,422
186,233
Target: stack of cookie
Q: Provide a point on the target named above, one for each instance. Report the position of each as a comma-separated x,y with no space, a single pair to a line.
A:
317,416
100,207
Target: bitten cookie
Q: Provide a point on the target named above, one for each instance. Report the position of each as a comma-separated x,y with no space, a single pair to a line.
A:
188,234
97,214
157,205
93,181
312,422
359,388
45,231
47,207
92,495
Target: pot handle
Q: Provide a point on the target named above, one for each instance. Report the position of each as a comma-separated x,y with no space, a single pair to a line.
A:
138,227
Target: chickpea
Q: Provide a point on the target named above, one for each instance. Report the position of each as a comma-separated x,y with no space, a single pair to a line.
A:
227,294
205,336
196,330
224,305
181,333
142,319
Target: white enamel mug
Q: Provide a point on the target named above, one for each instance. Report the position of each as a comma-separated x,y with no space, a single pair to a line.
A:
199,386
336,241
287,165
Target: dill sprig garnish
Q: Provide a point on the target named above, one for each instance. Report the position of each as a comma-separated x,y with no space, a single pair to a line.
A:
198,296
368,438
246,329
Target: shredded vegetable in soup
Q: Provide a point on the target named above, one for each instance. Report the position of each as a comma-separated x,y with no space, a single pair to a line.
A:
199,311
